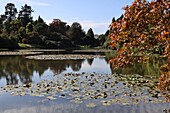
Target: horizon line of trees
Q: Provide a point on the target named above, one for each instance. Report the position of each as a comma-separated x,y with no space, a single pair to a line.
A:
18,27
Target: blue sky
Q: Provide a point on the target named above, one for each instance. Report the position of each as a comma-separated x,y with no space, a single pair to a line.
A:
95,14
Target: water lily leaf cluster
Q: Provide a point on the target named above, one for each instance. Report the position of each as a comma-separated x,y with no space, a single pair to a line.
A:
63,57
93,89
19,53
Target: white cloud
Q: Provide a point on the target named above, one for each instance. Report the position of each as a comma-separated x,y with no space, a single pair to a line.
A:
88,24
31,2
93,24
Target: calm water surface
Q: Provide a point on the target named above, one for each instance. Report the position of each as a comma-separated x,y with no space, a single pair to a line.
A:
19,70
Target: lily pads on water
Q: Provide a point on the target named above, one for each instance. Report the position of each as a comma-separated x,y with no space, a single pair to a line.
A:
101,89
91,105
63,57
19,53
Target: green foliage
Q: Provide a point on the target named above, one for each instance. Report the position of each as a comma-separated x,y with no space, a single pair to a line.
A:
33,38
106,44
75,33
26,31
10,12
22,32
89,39
56,40
5,42
58,26
90,33
40,20
7,27
29,27
15,25
113,19
104,40
2,18
25,14
41,28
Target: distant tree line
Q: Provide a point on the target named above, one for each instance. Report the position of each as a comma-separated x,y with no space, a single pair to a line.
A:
17,28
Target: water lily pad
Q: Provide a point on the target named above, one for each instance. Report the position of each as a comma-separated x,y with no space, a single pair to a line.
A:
101,88
19,53
51,98
90,105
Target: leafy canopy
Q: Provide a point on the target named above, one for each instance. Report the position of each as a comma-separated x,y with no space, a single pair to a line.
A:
143,30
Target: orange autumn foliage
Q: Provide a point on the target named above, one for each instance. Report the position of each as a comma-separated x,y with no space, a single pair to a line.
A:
144,30
164,83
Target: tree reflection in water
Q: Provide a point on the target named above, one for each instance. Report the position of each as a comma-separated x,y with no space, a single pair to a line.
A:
17,68
158,68
151,68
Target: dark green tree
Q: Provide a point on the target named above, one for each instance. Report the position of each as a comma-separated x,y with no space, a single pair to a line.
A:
1,24
41,28
113,19
90,33
58,26
33,38
6,42
104,40
75,33
40,20
2,18
14,27
25,14
89,39
10,12
1,28
22,34
7,27
7,18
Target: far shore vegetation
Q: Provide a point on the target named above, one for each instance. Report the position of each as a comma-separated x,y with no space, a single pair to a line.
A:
19,30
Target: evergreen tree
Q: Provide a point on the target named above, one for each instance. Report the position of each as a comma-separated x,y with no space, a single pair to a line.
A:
89,39
90,33
113,19
40,20
10,12
25,14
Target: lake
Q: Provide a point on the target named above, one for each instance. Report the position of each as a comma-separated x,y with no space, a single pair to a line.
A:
86,85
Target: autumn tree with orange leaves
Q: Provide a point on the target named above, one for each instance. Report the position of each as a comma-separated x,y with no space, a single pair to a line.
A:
143,32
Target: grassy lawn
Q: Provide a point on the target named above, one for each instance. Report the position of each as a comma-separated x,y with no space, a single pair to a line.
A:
29,46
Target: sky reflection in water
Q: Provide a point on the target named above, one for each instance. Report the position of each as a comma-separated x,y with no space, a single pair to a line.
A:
18,70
